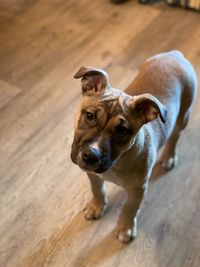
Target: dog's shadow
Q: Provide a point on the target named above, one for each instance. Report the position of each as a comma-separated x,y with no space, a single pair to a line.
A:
102,251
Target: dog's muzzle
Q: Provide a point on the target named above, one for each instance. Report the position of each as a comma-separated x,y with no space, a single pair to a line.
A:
91,156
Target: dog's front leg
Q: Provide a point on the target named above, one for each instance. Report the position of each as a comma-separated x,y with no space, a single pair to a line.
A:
98,204
127,225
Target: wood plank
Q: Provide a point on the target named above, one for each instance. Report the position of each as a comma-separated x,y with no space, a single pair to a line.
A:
7,93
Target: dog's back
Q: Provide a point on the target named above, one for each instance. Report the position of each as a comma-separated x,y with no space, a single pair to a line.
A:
172,79
160,73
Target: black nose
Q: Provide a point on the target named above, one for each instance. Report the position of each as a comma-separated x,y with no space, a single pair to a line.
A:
90,157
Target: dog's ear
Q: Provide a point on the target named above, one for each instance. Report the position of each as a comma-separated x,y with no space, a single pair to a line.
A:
148,108
94,81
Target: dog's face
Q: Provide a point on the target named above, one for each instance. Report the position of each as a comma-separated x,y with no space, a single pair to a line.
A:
108,121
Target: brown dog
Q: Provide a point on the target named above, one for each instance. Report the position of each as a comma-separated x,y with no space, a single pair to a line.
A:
118,134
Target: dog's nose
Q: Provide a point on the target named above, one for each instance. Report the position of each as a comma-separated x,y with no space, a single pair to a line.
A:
90,157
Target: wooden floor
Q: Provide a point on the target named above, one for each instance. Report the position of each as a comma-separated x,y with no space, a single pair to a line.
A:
42,194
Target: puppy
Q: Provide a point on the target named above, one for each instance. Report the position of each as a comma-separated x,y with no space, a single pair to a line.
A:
118,134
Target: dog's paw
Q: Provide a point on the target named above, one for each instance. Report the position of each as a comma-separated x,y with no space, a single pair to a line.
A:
125,236
125,233
170,163
94,211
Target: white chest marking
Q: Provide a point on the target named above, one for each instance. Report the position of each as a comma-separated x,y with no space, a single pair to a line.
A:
111,177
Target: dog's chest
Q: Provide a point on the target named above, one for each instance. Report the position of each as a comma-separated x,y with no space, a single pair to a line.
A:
112,177
124,180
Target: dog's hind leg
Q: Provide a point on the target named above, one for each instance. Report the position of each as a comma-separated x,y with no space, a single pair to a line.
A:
169,156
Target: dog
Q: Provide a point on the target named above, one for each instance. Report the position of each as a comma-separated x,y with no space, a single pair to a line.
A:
118,133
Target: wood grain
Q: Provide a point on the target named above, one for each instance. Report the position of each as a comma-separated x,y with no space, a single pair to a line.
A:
42,194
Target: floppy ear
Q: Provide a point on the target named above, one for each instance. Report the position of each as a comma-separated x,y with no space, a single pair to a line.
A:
148,108
94,81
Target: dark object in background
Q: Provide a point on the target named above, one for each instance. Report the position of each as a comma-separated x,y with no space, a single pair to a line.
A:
144,1
150,1
185,3
188,4
118,1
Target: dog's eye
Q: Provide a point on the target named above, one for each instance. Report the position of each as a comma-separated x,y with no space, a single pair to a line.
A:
89,116
122,130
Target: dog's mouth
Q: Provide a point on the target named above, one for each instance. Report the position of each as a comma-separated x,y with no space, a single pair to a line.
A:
99,167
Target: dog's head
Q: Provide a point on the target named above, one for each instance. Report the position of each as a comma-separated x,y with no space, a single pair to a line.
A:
108,121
